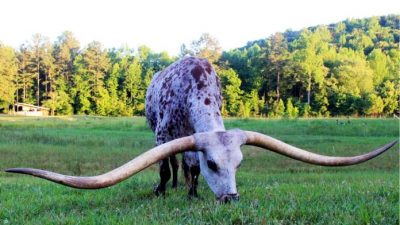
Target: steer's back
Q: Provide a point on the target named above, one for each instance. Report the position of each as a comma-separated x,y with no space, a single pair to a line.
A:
182,97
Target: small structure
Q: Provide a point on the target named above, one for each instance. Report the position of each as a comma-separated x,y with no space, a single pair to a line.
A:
24,109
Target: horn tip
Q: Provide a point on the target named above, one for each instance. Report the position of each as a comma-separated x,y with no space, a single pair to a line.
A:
11,170
17,170
393,143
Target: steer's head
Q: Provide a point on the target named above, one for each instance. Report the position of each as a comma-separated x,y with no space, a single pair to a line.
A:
219,154
220,157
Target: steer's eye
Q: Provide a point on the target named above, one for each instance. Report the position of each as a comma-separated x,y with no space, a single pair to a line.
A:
238,165
212,165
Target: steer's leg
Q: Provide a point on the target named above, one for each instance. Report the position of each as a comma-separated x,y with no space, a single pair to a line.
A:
191,166
165,174
194,172
175,167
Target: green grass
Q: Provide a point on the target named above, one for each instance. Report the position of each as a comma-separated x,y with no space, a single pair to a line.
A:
274,189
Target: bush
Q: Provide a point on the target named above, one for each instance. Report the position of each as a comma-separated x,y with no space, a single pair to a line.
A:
291,111
278,109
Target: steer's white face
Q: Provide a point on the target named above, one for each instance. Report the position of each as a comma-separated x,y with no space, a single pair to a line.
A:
220,156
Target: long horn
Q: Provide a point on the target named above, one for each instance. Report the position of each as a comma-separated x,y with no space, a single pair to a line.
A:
119,174
264,141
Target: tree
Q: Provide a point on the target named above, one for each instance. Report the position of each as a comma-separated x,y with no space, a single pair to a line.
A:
249,63
65,51
306,110
340,34
348,68
25,76
278,109
205,47
95,65
375,105
112,87
132,86
309,58
360,41
59,101
378,62
291,111
353,74
231,92
49,82
244,109
389,94
277,57
80,91
40,49
254,102
60,74
8,73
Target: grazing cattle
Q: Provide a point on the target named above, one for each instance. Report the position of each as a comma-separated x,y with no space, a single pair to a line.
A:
183,106
182,100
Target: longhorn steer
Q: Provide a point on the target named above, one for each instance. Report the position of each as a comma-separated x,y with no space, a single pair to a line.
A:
185,99
183,109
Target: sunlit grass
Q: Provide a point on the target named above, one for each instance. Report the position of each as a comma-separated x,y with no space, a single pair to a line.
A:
274,189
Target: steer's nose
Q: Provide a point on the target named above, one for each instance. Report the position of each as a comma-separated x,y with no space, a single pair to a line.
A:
228,197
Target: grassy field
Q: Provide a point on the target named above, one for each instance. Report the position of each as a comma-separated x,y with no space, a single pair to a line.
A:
274,189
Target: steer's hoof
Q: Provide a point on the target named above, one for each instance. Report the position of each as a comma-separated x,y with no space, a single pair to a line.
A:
193,193
158,191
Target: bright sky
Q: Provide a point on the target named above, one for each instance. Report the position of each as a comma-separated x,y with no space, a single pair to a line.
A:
166,24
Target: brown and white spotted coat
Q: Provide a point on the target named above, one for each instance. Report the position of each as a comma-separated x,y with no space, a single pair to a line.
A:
181,100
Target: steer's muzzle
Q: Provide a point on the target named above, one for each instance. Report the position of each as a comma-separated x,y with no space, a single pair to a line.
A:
228,197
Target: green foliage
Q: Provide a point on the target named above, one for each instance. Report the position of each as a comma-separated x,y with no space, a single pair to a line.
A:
389,94
8,75
353,74
309,57
278,109
375,105
231,92
378,62
348,68
133,88
291,111
255,103
306,111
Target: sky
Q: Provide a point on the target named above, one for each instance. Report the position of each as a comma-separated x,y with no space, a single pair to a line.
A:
164,25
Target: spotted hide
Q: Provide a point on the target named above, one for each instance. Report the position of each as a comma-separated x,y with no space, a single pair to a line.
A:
183,99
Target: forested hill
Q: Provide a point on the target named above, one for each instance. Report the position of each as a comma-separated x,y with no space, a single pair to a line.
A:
348,68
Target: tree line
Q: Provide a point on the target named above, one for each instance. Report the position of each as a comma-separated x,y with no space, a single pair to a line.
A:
350,68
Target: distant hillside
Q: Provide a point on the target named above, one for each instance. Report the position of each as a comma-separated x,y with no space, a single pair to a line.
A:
347,68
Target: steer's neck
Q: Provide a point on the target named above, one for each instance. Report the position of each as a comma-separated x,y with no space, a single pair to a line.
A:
206,119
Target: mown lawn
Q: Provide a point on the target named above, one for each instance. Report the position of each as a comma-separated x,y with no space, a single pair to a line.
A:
274,189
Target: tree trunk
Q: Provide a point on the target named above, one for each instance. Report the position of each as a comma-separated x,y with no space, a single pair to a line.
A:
17,94
24,94
46,85
38,82
278,79
309,90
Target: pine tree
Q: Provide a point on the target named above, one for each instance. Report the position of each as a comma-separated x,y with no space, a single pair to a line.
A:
276,58
25,77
